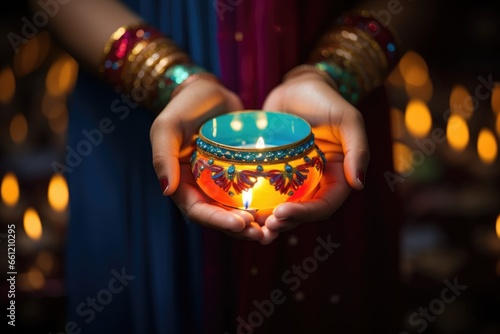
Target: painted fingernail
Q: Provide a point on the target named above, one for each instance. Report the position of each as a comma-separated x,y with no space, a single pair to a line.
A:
360,177
163,184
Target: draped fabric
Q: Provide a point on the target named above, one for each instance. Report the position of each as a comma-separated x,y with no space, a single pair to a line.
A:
134,265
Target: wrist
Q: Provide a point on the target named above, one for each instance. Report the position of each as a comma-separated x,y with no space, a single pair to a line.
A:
305,71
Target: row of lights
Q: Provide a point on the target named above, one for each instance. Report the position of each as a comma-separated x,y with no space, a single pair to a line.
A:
37,235
412,73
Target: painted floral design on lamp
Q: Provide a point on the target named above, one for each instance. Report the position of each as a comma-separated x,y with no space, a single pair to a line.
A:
256,159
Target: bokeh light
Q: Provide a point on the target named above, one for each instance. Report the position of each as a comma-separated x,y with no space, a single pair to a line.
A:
57,194
401,157
457,133
7,85
61,76
418,118
414,69
10,189
495,99
32,224
32,54
18,128
487,146
461,102
397,123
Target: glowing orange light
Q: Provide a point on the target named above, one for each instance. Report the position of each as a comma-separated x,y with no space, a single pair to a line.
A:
32,54
61,76
497,125
32,224
395,78
422,92
401,157
10,189
35,278
57,193
397,123
7,84
45,260
457,133
497,226
495,99
18,128
461,102
487,146
413,69
418,118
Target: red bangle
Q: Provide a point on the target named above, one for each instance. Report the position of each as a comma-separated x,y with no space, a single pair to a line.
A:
119,47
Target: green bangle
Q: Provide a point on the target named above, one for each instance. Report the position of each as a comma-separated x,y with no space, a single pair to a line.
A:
347,81
173,77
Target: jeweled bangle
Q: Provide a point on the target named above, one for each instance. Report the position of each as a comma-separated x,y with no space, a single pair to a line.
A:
173,77
118,48
384,34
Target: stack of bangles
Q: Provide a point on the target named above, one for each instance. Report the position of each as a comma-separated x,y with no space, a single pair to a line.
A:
148,66
355,55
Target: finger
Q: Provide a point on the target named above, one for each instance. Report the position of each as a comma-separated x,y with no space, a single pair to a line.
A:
166,141
268,236
280,225
195,206
251,232
332,192
355,146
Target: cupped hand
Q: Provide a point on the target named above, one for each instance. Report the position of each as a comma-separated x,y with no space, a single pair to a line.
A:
339,132
172,138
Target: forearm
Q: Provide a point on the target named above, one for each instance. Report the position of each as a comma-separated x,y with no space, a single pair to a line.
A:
84,26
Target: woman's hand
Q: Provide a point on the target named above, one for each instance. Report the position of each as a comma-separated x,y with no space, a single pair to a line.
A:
172,138
340,134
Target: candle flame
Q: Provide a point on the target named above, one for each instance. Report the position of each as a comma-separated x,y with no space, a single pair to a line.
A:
32,224
247,198
260,143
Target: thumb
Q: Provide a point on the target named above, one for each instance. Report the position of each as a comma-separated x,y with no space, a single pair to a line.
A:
166,142
356,151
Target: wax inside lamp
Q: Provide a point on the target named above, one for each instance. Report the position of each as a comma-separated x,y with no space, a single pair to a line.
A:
256,159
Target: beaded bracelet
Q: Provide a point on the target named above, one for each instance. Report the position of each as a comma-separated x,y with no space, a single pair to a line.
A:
142,62
357,53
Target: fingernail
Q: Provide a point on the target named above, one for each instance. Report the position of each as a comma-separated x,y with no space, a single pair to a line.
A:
360,177
163,184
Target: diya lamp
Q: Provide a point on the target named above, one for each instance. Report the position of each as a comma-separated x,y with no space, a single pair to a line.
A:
256,159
